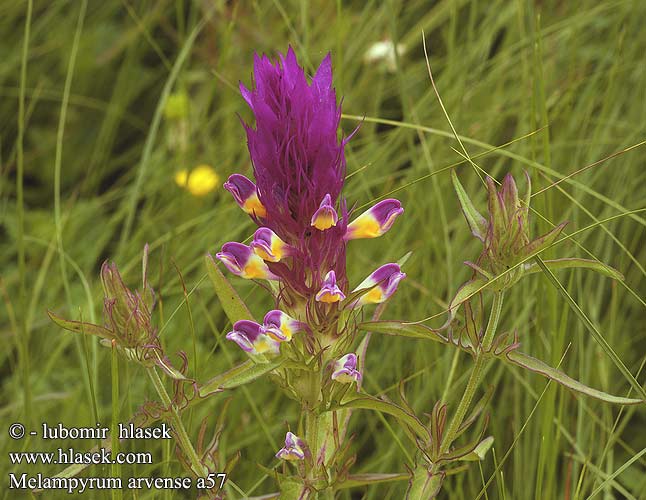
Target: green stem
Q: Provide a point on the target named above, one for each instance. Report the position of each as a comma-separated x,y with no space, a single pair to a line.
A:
176,422
312,420
476,374
449,380
23,341
116,468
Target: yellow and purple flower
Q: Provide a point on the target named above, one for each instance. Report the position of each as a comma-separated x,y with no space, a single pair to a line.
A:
345,369
281,326
245,194
382,283
243,262
294,449
268,246
325,217
330,291
375,221
250,337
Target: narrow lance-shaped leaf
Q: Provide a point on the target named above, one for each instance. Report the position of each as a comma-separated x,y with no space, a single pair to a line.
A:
542,242
571,263
402,329
371,403
81,327
538,366
592,329
234,307
355,480
477,223
239,375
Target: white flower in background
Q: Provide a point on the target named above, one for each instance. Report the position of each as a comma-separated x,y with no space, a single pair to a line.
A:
384,52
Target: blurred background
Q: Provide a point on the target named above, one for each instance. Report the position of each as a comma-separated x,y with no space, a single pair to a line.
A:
124,99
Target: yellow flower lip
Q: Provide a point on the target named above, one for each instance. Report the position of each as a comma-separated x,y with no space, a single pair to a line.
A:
200,181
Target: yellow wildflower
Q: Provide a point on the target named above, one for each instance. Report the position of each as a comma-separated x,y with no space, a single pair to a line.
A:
200,181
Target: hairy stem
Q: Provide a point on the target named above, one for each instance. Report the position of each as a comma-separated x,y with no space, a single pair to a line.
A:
176,422
476,374
312,418
317,434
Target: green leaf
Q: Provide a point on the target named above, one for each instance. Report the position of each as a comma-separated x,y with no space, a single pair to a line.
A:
354,480
401,262
234,307
477,223
592,329
367,402
423,484
542,242
569,263
81,327
239,375
538,366
402,329
465,292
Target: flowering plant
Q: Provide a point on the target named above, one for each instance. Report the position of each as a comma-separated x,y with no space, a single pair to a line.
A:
310,341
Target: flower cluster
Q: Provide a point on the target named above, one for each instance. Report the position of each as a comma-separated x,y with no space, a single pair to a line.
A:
304,223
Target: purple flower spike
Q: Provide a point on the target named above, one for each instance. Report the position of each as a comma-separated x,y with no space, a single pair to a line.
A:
241,261
375,221
249,336
280,326
325,217
296,156
294,449
298,160
345,369
268,246
245,193
330,292
384,283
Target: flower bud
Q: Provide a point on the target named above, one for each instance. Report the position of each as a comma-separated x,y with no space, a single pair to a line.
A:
126,313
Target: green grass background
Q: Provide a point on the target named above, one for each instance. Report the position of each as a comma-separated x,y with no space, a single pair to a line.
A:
95,154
